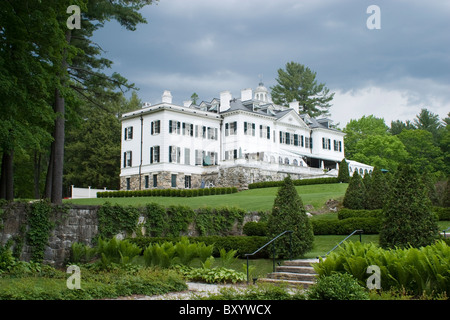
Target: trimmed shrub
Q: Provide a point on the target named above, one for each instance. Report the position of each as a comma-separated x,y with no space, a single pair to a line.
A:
300,182
407,216
255,228
343,175
355,195
289,214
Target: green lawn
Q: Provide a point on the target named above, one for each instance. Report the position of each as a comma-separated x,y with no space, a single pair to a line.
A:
251,200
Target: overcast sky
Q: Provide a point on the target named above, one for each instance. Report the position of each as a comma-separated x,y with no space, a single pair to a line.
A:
208,46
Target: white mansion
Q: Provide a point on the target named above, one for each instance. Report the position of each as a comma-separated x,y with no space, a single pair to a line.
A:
226,142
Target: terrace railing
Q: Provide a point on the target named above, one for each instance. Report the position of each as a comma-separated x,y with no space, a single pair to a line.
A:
273,250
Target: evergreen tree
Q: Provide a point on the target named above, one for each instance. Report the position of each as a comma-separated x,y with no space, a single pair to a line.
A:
343,175
378,191
355,195
288,213
407,216
298,83
446,200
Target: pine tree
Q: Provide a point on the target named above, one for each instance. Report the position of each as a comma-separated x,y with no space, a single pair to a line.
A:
288,213
355,196
407,216
377,193
343,175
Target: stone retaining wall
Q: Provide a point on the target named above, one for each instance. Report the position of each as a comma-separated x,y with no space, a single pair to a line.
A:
77,224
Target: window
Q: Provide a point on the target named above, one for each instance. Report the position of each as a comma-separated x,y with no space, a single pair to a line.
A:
174,180
174,127
146,182
198,158
174,154
249,129
128,184
231,128
337,145
231,154
187,156
155,180
154,154
128,133
264,131
156,127
188,129
187,182
326,143
308,142
127,159
282,137
295,139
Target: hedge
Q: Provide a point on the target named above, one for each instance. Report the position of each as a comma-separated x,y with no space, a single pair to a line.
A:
344,213
167,192
243,244
346,226
299,182
442,213
349,213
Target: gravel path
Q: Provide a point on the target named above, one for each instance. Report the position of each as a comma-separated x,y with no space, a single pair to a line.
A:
194,289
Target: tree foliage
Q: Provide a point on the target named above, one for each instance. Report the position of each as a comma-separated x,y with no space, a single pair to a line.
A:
298,83
355,195
48,71
343,175
288,213
378,191
407,216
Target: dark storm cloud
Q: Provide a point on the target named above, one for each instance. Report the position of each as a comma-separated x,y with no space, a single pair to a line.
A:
207,46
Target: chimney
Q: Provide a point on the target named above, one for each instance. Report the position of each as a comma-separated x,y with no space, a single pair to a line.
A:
167,97
294,105
246,94
225,98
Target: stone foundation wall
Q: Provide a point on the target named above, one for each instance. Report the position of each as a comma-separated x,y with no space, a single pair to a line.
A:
165,181
241,177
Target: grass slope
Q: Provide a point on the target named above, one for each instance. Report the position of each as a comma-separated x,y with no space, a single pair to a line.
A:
251,200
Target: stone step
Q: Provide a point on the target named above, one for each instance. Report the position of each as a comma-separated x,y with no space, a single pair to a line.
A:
295,269
300,262
294,283
292,276
293,273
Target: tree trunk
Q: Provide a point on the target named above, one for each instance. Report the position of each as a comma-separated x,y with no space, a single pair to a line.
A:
37,174
3,179
58,148
7,176
49,176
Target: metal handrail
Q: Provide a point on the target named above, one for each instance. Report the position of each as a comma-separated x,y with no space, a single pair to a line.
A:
445,232
273,241
351,234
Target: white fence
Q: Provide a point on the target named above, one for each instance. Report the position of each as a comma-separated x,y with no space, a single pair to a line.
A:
81,193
